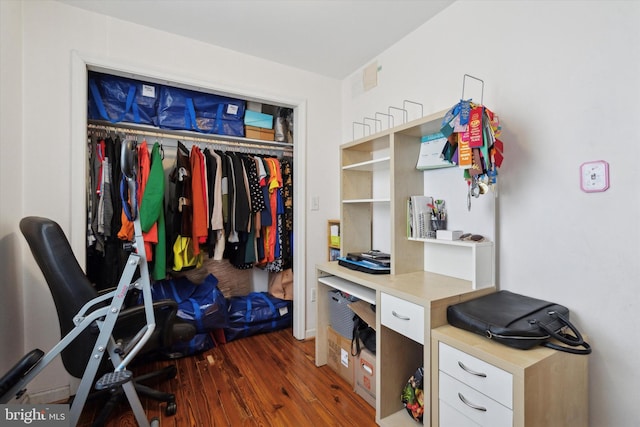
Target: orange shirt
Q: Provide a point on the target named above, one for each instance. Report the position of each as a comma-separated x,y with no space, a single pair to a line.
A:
198,195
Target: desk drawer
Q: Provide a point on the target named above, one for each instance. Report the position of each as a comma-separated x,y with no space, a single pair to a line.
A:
472,404
403,317
477,374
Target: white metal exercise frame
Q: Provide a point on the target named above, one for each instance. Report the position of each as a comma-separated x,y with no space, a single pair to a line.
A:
105,318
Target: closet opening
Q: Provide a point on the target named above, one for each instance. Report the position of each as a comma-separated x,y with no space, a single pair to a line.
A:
245,274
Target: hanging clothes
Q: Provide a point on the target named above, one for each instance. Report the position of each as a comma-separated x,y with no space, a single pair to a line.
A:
199,199
274,231
225,204
105,256
152,213
287,197
149,234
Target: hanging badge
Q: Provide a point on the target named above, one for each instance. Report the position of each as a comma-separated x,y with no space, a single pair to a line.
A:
475,127
498,157
465,110
476,165
464,151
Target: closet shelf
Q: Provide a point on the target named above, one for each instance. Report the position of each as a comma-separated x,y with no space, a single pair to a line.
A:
146,130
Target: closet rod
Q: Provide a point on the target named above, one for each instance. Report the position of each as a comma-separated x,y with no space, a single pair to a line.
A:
231,141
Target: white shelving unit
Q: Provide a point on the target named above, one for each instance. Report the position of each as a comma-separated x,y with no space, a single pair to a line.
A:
473,261
378,175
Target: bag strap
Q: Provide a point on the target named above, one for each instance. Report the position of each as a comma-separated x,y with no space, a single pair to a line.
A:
572,341
176,297
586,348
247,316
355,337
190,117
219,113
192,123
93,87
197,313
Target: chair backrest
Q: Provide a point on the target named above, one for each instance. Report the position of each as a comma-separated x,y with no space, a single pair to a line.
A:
67,282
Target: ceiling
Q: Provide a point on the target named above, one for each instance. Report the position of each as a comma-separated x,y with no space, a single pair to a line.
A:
333,38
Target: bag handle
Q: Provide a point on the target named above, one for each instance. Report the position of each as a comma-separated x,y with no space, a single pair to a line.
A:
192,123
197,313
128,105
355,339
176,297
247,317
358,325
572,341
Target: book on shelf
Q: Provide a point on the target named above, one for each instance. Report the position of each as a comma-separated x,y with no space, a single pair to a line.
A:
418,216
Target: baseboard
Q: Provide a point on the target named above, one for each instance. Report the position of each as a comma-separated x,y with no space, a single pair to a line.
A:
60,394
310,333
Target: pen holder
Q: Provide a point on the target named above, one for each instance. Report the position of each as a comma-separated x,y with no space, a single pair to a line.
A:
438,224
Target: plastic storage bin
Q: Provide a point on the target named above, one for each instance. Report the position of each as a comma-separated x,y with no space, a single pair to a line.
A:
340,315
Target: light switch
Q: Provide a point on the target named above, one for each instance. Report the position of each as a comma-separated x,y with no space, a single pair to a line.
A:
594,176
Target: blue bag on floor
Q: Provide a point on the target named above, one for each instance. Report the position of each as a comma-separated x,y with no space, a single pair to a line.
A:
257,313
118,99
198,344
203,305
202,112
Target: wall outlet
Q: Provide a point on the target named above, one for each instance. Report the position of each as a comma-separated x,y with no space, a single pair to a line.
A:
314,294
315,203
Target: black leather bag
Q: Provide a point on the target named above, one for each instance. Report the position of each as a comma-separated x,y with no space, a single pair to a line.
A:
518,321
363,334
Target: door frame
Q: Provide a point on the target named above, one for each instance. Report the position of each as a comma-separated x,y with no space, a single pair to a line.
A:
81,63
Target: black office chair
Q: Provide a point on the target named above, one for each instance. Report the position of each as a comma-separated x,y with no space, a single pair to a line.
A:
71,291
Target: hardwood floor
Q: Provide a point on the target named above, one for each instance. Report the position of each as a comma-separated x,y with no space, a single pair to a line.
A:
264,380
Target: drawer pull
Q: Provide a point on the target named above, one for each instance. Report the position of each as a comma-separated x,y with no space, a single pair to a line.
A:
471,371
471,405
400,316
367,369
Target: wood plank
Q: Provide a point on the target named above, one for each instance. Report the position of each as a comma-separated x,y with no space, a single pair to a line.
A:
264,380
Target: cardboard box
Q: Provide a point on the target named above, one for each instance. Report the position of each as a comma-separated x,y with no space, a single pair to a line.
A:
253,132
339,356
364,374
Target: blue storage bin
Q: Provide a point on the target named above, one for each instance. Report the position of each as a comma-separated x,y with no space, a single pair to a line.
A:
184,109
118,99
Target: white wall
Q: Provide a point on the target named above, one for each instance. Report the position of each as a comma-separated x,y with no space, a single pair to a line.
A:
50,32
11,328
564,76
